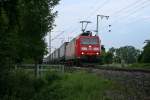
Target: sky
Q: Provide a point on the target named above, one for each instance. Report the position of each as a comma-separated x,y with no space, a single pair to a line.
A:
129,20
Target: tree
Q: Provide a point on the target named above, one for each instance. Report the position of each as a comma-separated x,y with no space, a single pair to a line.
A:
128,54
23,26
102,56
36,21
112,51
108,58
145,56
8,32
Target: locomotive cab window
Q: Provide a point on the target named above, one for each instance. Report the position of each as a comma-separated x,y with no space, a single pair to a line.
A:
89,41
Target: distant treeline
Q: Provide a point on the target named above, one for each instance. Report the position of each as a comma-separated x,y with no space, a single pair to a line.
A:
126,54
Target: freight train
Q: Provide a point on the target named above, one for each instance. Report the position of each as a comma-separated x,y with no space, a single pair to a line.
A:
85,48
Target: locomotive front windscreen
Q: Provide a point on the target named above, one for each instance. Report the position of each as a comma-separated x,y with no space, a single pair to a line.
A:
89,41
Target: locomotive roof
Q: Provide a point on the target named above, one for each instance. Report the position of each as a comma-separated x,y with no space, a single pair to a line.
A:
87,33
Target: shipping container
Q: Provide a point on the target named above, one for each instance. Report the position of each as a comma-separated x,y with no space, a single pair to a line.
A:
62,51
57,55
70,50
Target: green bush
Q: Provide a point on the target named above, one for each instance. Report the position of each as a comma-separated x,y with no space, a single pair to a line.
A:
20,85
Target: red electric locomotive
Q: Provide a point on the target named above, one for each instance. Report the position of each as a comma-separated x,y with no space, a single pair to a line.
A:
84,48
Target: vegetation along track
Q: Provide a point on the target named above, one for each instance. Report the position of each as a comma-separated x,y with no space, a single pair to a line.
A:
115,69
135,80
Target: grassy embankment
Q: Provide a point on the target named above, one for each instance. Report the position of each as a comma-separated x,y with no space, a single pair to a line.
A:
140,66
56,86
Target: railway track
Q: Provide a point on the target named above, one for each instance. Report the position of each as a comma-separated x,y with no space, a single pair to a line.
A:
137,80
112,69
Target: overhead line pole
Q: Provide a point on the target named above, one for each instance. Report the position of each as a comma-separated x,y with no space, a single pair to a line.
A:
49,42
97,26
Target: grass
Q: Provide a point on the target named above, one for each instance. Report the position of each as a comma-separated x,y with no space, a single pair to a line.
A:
56,86
83,86
140,66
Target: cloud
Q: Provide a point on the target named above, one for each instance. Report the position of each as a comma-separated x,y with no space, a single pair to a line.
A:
147,17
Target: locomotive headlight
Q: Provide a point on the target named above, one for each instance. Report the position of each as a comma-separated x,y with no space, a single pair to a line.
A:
97,53
96,49
82,53
83,48
90,46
